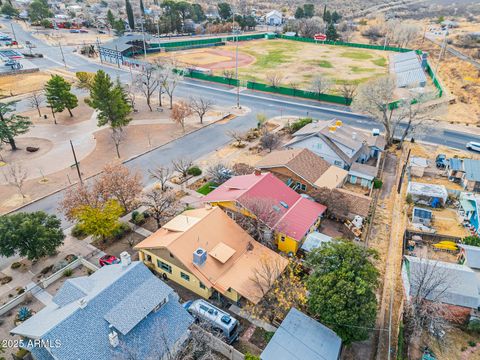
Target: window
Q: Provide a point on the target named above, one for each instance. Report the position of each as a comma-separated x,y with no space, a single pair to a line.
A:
230,214
337,162
171,255
165,267
229,290
148,258
303,187
282,238
202,286
184,276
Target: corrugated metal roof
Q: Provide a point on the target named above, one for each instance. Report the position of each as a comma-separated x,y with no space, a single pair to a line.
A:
411,78
396,58
422,213
455,164
472,169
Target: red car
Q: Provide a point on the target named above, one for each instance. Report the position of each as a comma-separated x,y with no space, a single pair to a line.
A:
83,31
108,260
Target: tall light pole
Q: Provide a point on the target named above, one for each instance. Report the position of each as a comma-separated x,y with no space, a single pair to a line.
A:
235,32
143,34
442,51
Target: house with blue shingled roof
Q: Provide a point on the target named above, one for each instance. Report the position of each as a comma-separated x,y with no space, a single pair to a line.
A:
109,314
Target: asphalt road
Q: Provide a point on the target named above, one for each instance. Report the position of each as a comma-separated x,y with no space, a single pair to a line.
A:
213,137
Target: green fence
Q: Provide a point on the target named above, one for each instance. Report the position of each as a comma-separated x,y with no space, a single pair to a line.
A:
348,44
213,78
196,42
299,93
431,73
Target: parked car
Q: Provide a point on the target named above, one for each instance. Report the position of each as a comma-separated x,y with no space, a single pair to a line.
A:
74,31
10,63
220,321
108,260
102,32
441,161
83,31
474,146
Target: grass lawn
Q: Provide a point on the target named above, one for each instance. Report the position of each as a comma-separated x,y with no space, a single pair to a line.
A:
207,188
380,61
321,63
356,55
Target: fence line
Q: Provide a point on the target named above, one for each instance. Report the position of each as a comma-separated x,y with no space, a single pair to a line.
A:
45,283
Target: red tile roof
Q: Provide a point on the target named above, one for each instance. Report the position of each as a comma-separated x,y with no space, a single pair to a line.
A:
296,214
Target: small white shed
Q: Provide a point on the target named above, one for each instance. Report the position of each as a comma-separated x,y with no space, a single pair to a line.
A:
417,166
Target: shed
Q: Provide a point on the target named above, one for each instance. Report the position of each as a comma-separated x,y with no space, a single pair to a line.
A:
422,216
428,194
314,240
300,337
417,166
362,174
471,255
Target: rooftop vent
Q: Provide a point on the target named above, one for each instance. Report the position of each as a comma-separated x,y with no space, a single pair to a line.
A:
338,123
332,128
82,303
199,256
113,338
354,135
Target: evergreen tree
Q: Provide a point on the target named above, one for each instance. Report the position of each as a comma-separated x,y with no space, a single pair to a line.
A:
119,27
308,10
33,235
342,287
299,13
336,17
11,125
59,95
224,10
110,19
327,17
197,13
9,10
130,17
110,100
324,11
142,8
331,33
38,10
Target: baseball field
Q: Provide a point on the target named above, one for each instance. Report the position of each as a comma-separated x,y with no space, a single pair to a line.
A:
293,62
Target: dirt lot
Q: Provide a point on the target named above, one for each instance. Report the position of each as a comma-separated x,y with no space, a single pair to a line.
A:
296,62
13,85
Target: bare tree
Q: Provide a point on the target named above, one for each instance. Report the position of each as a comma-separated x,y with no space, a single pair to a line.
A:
274,78
160,204
229,75
36,99
260,219
201,106
373,98
348,91
425,311
310,27
162,174
182,165
269,140
320,84
118,136
130,90
169,79
237,136
219,173
266,273
180,112
294,86
147,83
242,169
16,176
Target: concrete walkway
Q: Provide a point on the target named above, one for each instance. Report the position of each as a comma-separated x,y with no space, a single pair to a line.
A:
260,323
39,293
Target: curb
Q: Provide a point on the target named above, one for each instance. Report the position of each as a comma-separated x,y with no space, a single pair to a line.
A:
98,173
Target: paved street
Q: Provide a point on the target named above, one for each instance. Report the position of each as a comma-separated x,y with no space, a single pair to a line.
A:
209,139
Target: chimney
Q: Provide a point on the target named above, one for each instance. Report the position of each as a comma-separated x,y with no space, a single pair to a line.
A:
257,172
113,338
354,135
199,256
125,259
338,123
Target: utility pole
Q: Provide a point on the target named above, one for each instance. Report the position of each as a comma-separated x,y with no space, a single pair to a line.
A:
76,163
143,34
117,56
442,51
99,52
14,35
63,56
234,32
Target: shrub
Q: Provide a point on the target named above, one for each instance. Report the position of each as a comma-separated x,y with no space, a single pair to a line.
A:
137,217
249,356
300,123
78,232
68,272
20,290
474,326
46,269
24,313
194,171
120,231
472,343
15,265
471,240
5,280
409,199
21,353
268,336
377,183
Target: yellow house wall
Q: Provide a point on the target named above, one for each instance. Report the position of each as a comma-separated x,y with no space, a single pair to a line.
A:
290,244
193,284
